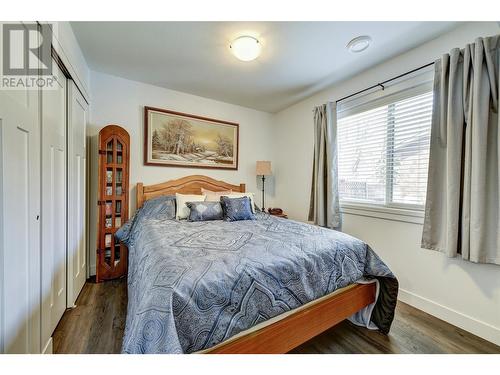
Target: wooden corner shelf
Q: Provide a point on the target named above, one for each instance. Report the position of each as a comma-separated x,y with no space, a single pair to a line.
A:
114,160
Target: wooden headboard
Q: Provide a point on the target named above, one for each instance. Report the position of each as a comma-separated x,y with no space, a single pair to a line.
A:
184,185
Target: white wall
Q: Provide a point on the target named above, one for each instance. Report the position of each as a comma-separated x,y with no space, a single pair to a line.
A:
120,101
465,294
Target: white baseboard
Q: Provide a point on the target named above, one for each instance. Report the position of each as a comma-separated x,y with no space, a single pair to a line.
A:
468,323
92,270
48,347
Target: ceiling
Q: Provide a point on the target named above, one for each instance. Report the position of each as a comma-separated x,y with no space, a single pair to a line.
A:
298,59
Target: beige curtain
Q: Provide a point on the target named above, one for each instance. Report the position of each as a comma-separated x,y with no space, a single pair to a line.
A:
324,209
462,213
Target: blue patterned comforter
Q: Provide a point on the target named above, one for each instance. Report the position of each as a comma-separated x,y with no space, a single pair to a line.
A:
192,285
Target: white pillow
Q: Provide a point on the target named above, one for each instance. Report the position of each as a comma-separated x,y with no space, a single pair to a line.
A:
239,195
182,211
214,196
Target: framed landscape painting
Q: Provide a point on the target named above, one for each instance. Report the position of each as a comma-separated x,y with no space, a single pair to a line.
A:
182,140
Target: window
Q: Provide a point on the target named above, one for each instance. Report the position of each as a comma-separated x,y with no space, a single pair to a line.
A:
383,151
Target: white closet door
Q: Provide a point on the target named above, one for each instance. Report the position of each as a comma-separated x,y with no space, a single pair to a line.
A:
53,205
19,221
77,262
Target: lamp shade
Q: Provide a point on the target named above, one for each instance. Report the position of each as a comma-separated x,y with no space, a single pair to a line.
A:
263,168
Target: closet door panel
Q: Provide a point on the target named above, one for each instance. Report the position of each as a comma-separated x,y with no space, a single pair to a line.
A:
19,221
54,195
77,260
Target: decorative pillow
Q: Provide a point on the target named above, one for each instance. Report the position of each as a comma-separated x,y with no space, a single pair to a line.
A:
239,195
123,234
182,199
162,208
214,196
204,211
236,209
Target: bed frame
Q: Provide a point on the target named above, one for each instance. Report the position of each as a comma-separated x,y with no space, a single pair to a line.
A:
297,327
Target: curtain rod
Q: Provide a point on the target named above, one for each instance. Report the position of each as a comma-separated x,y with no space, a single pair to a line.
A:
381,84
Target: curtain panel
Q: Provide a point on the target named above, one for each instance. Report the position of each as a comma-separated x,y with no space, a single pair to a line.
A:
462,213
324,207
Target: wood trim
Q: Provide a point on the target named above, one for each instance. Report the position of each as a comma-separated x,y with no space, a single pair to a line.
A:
190,115
146,136
301,326
185,185
139,194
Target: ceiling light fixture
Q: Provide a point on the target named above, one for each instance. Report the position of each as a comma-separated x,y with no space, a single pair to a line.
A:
245,48
359,43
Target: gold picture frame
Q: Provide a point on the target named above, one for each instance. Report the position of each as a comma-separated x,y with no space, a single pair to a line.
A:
176,139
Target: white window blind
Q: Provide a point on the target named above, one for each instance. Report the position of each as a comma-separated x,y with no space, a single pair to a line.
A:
383,152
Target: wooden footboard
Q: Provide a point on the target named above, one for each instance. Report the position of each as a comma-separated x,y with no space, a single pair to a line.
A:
301,326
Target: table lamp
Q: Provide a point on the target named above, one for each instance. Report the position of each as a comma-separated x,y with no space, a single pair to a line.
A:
263,169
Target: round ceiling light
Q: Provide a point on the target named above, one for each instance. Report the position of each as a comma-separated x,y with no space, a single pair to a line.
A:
245,48
359,44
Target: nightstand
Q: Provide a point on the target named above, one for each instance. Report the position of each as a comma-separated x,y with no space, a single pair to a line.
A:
282,215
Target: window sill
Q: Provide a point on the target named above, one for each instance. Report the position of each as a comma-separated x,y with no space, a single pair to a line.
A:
415,216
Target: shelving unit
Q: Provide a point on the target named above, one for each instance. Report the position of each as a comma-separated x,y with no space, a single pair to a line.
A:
114,146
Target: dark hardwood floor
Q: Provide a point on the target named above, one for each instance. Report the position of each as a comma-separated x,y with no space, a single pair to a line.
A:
96,326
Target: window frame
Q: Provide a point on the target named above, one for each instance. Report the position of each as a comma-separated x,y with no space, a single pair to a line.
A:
414,85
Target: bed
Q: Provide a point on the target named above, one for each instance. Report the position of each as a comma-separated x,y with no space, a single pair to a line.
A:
254,286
